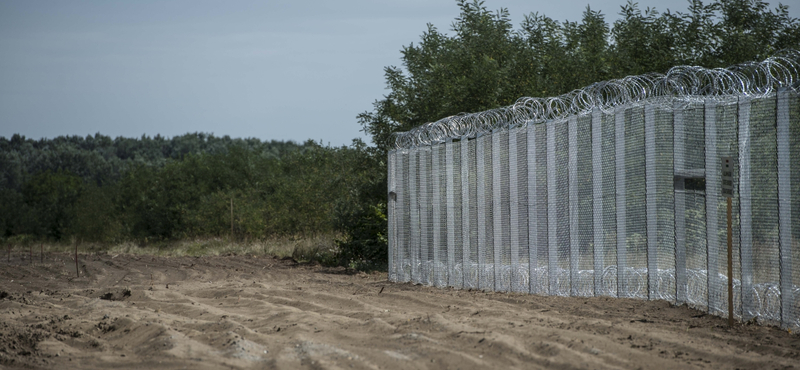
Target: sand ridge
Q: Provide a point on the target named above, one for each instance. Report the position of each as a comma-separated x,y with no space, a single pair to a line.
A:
243,312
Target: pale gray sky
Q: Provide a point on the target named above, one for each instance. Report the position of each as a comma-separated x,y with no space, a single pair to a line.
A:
284,70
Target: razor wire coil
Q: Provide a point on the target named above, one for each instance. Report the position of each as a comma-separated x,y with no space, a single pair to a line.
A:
681,82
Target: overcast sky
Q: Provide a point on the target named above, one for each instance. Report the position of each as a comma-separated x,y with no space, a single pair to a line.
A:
284,70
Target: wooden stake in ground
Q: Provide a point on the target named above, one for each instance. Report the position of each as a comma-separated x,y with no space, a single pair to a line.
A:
30,253
231,218
41,249
77,270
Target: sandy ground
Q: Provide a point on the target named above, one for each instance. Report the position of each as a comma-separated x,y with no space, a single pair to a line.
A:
260,312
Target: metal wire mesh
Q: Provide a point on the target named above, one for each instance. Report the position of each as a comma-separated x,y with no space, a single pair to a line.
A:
788,132
615,196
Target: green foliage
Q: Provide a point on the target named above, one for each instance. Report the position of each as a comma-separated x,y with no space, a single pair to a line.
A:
183,187
365,245
49,202
486,64
95,215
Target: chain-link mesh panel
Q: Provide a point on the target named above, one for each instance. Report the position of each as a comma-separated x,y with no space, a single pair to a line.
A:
635,272
609,203
541,211
713,215
471,266
414,195
501,211
439,250
745,212
455,242
402,256
621,203
695,207
662,283
791,136
425,219
598,239
784,207
572,180
485,214
727,146
582,208
764,203
560,214
679,209
518,207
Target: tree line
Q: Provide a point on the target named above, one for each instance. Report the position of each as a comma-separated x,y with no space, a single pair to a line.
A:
98,189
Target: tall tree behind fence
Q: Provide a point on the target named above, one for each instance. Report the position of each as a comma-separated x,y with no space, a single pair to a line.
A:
613,190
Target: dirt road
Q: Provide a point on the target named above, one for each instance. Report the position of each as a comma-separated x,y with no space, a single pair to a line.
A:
259,312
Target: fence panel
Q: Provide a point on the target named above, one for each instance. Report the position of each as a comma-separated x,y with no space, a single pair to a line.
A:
622,203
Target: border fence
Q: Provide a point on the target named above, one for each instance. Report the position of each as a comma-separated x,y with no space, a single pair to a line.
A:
613,190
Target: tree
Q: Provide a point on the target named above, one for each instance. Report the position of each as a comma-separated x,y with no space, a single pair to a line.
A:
486,64
50,198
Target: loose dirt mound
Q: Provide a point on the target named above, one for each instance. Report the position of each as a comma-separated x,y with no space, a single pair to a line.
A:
259,312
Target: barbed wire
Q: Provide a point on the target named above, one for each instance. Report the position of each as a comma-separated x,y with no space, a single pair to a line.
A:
682,82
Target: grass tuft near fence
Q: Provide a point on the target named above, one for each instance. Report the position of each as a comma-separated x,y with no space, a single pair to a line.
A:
321,249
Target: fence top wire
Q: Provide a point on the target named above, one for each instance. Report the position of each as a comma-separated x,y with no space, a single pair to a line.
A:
688,83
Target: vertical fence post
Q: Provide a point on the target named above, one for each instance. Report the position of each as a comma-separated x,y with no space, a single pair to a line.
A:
413,194
785,208
402,214
514,197
597,198
390,210
466,226
572,180
745,211
424,215
679,161
622,260
552,218
451,206
481,179
651,200
712,203
436,197
497,211
533,218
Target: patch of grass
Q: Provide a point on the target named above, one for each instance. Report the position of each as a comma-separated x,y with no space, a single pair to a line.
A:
321,249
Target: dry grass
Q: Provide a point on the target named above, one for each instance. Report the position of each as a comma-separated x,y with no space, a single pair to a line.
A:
318,248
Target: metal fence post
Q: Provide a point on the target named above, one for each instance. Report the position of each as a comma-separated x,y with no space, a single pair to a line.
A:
712,203
622,261
572,178
597,198
552,224
514,197
745,212
651,196
436,199
390,210
785,209
533,219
